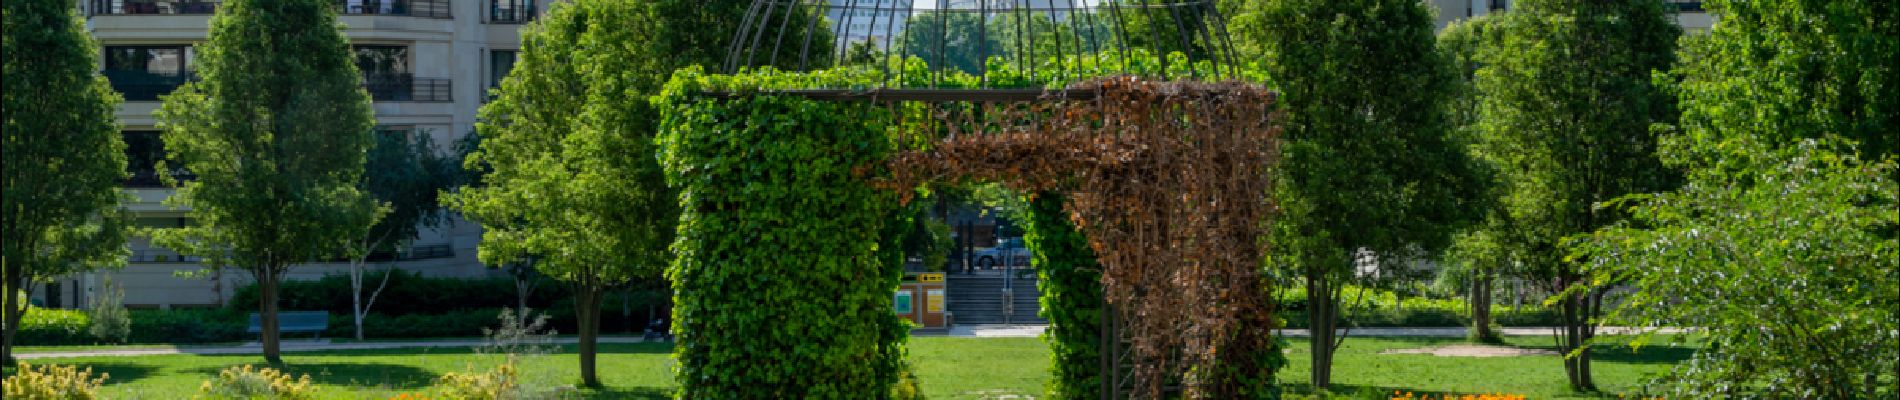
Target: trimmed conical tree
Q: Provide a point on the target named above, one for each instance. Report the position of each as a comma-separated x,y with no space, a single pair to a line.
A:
276,133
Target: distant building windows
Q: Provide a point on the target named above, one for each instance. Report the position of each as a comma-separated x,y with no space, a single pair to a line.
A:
143,150
143,73
511,11
499,63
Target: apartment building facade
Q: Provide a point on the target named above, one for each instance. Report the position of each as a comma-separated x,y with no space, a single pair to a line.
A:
427,64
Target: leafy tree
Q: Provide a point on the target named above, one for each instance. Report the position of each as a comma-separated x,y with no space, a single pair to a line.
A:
1567,105
699,32
571,174
63,157
1477,257
1369,166
1783,242
276,133
404,175
952,40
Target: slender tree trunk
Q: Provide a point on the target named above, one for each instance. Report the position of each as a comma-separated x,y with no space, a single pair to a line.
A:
1481,310
16,280
587,310
1320,324
356,296
522,288
1575,310
363,306
267,314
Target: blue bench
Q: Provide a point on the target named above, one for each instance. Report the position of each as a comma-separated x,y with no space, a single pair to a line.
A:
294,321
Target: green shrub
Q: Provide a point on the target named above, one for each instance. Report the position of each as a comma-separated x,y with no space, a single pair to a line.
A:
55,327
110,324
248,383
407,293
50,326
187,326
500,383
52,382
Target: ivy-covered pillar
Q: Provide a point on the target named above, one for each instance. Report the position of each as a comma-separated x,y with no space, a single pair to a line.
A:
780,289
1071,283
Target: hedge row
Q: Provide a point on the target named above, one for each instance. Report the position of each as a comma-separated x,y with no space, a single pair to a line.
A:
55,327
407,293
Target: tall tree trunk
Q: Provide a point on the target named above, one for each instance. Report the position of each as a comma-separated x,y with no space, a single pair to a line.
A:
1320,324
16,280
1481,310
356,296
587,310
267,314
1575,310
522,288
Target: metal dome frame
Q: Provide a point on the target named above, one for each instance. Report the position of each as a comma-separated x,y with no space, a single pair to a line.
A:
1005,31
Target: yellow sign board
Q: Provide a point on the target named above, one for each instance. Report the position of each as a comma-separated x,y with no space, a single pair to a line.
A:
930,277
933,300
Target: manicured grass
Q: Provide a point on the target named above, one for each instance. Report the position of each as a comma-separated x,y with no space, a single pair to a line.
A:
947,367
1359,367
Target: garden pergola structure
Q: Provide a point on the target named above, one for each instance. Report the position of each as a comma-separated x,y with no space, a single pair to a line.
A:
1167,179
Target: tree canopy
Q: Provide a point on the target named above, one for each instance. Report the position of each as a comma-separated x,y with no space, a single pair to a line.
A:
63,158
571,177
1368,162
1783,243
1567,104
275,131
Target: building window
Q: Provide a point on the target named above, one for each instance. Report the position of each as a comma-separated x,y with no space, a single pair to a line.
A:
1500,5
142,73
511,11
106,7
413,8
499,63
143,150
386,72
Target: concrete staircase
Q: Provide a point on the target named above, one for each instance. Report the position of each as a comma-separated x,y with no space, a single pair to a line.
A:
979,299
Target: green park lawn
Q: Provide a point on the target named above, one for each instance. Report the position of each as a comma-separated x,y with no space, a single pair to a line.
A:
948,368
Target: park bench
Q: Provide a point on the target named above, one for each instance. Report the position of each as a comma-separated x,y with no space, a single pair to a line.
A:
294,321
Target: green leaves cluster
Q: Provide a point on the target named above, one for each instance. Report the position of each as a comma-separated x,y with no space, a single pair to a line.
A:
1071,285
1783,244
62,158
782,285
275,132
1369,162
568,147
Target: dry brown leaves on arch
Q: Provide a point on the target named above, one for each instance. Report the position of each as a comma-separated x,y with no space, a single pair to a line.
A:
1169,182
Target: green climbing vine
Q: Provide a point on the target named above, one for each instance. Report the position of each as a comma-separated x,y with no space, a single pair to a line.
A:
1071,284
781,288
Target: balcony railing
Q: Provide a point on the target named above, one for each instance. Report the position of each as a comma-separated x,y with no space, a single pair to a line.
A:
145,85
511,11
153,7
148,177
410,8
161,256
404,87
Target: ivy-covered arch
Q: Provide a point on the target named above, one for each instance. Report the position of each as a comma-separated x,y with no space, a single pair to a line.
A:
780,288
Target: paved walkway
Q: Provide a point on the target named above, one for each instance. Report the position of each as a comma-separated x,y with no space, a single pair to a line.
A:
981,331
